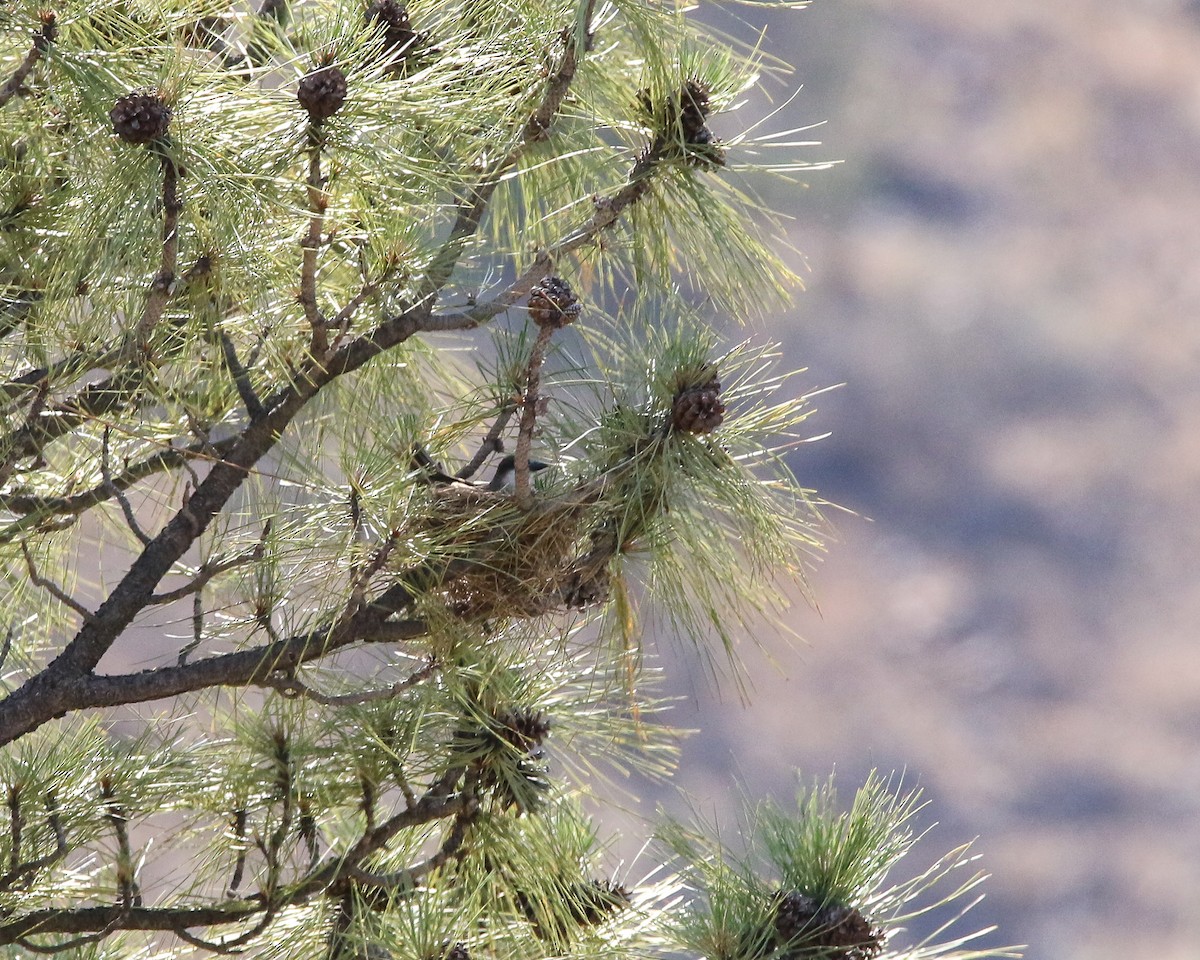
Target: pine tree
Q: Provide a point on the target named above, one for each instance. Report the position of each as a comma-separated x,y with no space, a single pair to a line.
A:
287,296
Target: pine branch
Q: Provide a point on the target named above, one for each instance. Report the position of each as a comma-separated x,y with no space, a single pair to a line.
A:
317,202
291,687
41,43
471,210
94,401
529,413
214,568
38,510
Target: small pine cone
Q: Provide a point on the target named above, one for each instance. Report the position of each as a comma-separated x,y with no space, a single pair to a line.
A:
694,108
597,900
832,932
698,409
524,728
393,18
457,951
847,929
794,913
140,117
322,93
586,590
552,303
49,32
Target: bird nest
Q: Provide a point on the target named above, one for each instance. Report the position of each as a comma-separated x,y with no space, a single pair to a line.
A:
488,557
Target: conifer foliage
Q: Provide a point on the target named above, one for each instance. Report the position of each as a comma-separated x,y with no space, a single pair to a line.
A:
361,366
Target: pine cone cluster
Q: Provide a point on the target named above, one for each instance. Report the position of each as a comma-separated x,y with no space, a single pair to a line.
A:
322,92
805,927
691,106
699,409
552,303
140,117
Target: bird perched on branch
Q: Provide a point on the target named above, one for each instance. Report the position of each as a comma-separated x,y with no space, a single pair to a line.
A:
503,479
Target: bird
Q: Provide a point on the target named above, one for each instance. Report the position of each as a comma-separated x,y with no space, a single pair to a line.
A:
505,477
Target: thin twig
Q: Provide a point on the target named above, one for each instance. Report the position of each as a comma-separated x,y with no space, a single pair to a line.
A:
19,871
241,379
606,211
317,202
341,321
80,362
473,207
450,849
164,281
52,588
291,687
126,507
39,431
529,413
39,509
214,568
232,945
197,629
491,443
239,865
362,576
41,43
6,648
131,895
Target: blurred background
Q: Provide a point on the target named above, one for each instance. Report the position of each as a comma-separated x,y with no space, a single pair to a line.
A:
1003,271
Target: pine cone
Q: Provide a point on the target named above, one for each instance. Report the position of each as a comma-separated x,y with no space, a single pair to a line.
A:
698,409
322,93
140,117
683,115
457,951
524,728
794,913
832,932
49,32
552,303
393,18
693,107
597,900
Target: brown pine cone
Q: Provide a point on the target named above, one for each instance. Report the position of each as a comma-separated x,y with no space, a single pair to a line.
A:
322,93
140,117
698,409
552,303
393,18
805,927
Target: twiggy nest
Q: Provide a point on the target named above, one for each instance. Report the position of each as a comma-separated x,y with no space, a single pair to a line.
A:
496,559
